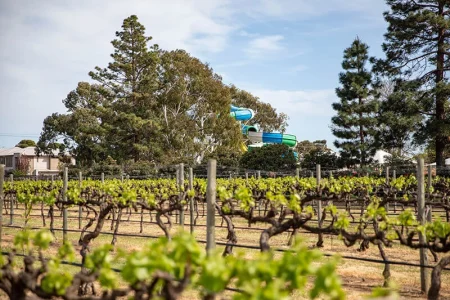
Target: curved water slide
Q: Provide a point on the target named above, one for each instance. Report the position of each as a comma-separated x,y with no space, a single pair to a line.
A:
257,137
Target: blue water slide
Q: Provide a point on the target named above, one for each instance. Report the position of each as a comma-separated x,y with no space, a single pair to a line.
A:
247,128
242,114
235,108
257,137
272,137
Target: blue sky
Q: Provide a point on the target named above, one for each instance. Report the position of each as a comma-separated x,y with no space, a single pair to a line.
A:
287,53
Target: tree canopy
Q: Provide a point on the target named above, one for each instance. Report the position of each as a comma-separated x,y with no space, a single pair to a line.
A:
355,122
151,105
417,44
275,157
326,158
26,143
316,152
396,120
305,147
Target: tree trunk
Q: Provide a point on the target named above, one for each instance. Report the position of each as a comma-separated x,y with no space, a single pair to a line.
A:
441,138
361,135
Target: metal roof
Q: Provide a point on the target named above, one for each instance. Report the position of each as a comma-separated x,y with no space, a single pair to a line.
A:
28,151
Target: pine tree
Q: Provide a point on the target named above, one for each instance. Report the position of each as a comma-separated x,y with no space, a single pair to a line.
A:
417,49
397,117
131,78
355,122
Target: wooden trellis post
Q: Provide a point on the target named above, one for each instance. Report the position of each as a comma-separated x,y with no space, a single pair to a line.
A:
422,219
211,203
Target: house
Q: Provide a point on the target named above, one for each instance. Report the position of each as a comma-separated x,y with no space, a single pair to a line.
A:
26,158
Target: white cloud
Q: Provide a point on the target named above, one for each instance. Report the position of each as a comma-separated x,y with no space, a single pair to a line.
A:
48,46
299,103
73,25
264,45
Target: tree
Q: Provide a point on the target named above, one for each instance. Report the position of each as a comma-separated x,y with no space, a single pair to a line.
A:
115,116
226,157
355,122
305,147
162,107
265,115
26,143
22,166
274,157
417,46
396,118
131,79
430,152
193,106
83,129
323,157
397,160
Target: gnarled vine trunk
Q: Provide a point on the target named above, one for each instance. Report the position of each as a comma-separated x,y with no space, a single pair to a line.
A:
433,292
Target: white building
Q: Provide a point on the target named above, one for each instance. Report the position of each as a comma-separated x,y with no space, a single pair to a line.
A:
38,165
380,156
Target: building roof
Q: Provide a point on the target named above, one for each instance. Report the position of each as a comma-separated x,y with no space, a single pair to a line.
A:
28,151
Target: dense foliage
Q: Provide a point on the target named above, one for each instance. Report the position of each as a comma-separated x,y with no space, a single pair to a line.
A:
396,120
305,147
326,158
276,157
417,52
165,269
283,204
26,143
355,124
151,105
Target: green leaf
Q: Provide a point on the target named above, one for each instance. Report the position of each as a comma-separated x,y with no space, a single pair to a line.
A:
43,238
56,282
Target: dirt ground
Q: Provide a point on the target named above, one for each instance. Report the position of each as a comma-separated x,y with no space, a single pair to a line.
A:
359,278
